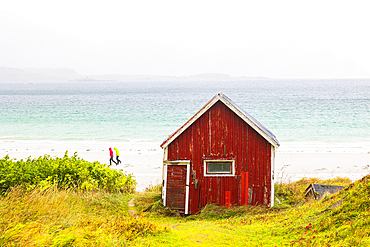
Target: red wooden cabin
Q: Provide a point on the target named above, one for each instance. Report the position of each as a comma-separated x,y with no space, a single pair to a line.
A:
222,155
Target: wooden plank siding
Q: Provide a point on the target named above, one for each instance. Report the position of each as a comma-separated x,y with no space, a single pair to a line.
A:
221,134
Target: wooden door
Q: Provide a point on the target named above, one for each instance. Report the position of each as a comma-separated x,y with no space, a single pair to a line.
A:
176,187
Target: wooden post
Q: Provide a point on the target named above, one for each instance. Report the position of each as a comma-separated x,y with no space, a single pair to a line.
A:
244,189
227,199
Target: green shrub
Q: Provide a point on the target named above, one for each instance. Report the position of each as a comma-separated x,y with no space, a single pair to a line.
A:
66,172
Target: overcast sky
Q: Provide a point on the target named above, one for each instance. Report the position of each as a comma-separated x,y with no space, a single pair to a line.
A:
281,39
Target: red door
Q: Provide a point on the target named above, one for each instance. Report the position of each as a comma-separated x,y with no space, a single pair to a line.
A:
176,187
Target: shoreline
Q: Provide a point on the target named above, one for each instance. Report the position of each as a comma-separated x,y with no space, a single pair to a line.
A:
143,159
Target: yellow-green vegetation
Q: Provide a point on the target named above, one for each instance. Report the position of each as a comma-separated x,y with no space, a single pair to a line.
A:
67,202
290,194
342,219
50,206
66,172
69,217
149,203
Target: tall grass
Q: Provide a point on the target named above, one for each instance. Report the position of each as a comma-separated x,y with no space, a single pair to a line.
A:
68,217
293,193
341,219
290,194
150,202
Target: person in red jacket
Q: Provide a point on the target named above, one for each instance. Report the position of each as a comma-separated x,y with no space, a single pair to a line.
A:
111,156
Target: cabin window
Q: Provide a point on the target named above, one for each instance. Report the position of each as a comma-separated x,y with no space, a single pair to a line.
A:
219,168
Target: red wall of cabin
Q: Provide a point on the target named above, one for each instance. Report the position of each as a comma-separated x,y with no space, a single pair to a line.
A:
220,134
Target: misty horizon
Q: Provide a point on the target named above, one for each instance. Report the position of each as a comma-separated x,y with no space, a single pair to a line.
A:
66,74
253,39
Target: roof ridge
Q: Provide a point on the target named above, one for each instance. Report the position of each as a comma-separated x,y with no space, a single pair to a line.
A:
229,103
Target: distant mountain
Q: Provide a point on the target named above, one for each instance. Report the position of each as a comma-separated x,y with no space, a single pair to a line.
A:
207,76
36,74
219,76
197,77
58,72
62,74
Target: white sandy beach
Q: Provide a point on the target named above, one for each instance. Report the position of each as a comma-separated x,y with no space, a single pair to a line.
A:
144,159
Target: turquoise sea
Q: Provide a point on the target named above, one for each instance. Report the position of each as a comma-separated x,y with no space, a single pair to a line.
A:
335,111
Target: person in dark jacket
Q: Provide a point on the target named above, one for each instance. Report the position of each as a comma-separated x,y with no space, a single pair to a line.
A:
111,156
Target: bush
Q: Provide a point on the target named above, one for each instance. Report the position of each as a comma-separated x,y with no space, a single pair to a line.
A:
66,172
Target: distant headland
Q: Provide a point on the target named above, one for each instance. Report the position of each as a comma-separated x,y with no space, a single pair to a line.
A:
8,74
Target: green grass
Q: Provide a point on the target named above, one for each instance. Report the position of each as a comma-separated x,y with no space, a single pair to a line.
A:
338,220
67,202
67,217
292,193
34,212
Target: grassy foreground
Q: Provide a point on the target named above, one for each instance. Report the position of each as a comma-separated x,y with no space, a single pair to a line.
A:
66,217
342,219
71,202
67,202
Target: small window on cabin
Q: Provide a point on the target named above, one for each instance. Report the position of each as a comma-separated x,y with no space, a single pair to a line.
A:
219,168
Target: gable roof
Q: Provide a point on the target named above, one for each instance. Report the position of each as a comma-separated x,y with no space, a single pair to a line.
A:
251,121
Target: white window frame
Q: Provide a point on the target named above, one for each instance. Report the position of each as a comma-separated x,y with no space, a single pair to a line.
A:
232,174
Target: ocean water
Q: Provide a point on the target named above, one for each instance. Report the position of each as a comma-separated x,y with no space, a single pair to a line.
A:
320,111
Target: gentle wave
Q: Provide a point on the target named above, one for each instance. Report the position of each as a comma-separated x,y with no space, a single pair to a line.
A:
294,110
